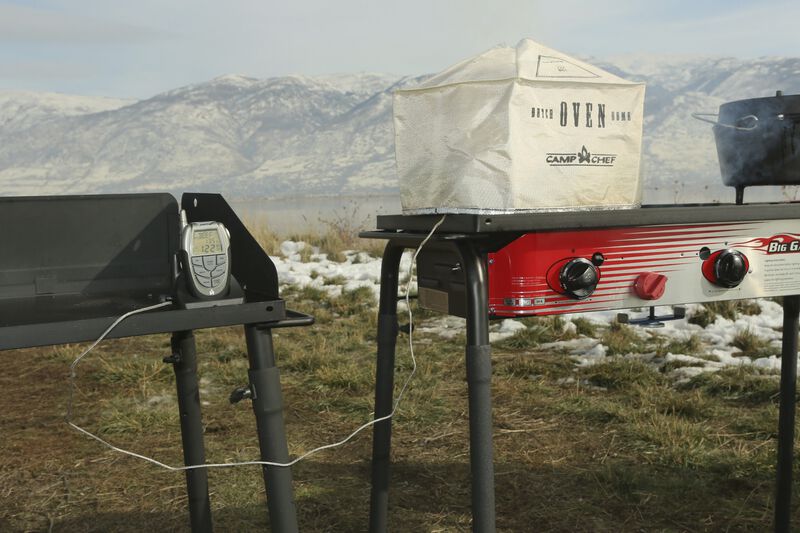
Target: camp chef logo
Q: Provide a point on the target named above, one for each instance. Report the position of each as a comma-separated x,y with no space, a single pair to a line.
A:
583,158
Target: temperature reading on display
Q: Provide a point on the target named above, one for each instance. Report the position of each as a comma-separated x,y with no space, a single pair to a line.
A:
205,258
206,242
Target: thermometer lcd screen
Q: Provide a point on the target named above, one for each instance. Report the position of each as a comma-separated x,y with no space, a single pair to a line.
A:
206,242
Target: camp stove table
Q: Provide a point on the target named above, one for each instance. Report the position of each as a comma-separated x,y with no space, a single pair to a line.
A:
77,263
490,266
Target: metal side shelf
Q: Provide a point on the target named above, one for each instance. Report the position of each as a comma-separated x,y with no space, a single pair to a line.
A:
270,313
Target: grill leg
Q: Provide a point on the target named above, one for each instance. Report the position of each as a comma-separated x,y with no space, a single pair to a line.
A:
384,389
783,492
185,369
479,377
265,385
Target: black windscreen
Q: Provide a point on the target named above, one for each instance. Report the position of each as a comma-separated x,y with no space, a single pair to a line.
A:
113,248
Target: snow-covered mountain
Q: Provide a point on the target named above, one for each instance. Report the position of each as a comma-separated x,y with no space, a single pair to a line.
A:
329,135
21,110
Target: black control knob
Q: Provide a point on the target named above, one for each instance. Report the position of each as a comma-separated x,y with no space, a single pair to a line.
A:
579,278
730,268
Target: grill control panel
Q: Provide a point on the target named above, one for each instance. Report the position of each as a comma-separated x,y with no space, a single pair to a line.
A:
557,272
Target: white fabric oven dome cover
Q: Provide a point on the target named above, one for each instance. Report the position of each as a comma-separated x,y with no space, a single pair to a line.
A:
519,129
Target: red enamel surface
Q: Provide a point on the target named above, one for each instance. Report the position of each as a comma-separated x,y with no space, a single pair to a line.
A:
528,267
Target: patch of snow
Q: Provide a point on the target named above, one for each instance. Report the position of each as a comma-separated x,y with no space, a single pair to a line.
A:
597,350
684,374
592,356
446,326
580,344
507,328
683,358
511,326
769,363
359,269
290,248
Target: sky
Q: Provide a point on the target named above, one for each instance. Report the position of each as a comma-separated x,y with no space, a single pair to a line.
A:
135,49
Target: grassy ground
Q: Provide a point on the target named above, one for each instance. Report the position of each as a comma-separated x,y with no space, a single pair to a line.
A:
612,447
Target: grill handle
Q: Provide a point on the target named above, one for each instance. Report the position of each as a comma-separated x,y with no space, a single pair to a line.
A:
753,118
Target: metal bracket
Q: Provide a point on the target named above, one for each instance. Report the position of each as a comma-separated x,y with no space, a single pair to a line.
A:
172,359
406,328
652,321
241,393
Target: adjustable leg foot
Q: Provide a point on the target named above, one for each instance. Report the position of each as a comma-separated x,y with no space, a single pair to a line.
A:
481,452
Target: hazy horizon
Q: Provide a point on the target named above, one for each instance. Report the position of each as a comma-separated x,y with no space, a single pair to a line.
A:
136,50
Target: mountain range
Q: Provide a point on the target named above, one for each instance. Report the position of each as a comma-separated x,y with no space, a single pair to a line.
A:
329,135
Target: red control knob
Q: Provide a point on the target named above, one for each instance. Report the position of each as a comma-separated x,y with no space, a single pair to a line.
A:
650,286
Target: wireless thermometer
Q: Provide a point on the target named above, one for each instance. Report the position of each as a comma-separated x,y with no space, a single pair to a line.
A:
206,258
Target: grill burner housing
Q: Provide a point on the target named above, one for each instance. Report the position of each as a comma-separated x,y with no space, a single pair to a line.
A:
559,271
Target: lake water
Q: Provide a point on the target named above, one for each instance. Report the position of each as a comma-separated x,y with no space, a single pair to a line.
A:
317,214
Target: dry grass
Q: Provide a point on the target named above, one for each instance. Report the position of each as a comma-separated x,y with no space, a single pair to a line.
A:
621,339
611,447
585,327
752,345
690,346
538,331
729,309
337,234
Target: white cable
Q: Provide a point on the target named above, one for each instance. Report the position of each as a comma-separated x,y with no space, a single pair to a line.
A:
262,463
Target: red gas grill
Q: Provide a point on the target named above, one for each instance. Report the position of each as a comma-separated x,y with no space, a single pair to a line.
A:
555,272
491,266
